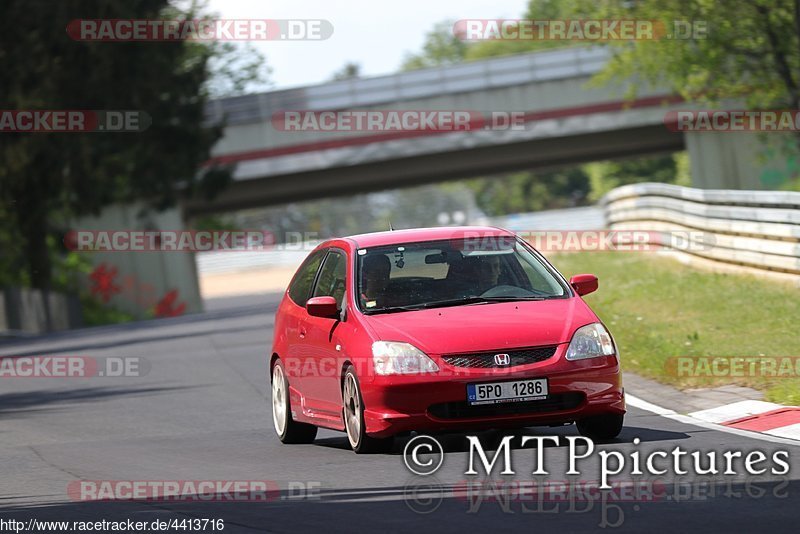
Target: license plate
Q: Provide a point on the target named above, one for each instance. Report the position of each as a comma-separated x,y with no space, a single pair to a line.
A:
514,391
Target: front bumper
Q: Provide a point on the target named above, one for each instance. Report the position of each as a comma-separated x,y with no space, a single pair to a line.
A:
438,401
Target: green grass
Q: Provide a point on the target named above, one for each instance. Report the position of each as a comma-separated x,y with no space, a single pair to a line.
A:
658,308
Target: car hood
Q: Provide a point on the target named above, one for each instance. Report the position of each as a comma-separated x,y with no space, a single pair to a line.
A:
479,327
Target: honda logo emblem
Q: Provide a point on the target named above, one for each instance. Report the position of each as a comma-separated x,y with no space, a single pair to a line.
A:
502,359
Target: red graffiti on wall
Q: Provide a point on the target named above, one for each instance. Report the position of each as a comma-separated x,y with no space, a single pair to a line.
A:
104,284
168,307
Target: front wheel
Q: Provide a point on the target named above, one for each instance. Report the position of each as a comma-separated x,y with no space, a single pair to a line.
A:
353,413
601,427
288,430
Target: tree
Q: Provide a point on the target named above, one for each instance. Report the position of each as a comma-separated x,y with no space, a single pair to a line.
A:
236,70
746,50
531,191
47,177
607,175
442,47
348,71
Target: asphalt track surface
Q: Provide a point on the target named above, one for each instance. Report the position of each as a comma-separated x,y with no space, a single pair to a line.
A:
201,413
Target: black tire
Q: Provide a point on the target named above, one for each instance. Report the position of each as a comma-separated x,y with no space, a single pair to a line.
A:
601,427
353,417
288,430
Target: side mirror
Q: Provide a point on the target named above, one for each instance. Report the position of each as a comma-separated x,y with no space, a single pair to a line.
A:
583,284
323,307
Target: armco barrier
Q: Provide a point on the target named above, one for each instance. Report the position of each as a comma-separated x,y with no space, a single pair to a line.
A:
748,231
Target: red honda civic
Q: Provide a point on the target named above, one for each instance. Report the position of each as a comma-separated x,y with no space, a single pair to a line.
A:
439,329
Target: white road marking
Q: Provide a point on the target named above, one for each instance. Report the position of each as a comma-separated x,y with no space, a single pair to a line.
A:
737,410
686,419
644,405
790,431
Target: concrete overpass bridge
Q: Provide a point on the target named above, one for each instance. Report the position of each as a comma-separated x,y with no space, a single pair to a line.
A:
566,121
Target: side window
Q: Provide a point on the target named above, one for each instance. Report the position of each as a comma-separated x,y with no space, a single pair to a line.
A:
333,277
301,284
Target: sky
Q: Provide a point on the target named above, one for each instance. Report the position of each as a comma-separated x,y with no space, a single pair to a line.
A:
374,33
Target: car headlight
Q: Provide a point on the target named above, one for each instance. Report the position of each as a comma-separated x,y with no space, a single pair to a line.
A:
395,358
590,341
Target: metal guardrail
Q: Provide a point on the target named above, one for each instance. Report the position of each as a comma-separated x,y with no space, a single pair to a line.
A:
753,231
757,231
583,218
247,260
470,76
281,256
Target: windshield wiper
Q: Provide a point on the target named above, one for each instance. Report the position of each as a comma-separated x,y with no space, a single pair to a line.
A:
511,299
426,305
475,299
390,309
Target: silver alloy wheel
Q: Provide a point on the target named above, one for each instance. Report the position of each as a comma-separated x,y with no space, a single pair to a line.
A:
352,409
278,400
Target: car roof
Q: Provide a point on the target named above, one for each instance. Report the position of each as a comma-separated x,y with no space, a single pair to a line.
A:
395,237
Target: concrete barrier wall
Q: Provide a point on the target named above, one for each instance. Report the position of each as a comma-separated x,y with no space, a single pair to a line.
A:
143,281
23,311
749,231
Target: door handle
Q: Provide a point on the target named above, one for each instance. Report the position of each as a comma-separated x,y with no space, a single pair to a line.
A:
302,333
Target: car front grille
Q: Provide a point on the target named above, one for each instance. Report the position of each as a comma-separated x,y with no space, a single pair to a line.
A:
463,410
485,360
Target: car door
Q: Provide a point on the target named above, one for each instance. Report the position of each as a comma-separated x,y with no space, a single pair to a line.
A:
295,318
323,337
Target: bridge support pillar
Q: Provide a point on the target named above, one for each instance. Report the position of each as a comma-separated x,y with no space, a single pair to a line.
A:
736,160
143,284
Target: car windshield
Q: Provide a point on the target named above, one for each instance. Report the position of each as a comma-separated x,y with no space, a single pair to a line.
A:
452,272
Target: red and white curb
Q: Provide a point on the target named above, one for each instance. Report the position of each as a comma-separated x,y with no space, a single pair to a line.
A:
756,419
756,416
